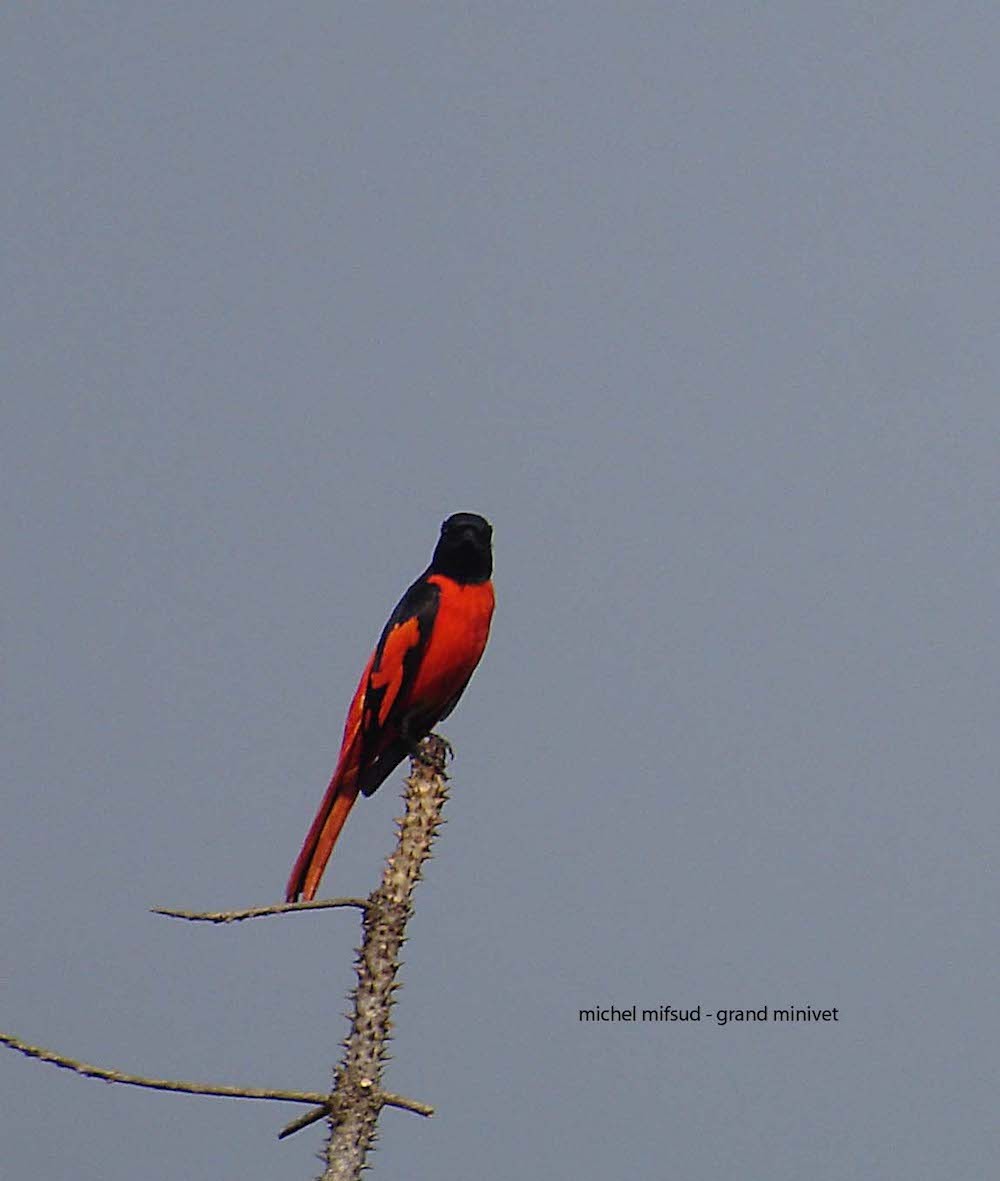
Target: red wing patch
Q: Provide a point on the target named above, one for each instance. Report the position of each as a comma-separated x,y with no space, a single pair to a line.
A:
394,667
385,681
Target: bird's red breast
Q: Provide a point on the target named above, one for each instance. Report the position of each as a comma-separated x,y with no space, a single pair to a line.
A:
457,640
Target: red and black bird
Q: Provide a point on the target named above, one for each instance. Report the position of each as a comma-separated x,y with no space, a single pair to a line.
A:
428,651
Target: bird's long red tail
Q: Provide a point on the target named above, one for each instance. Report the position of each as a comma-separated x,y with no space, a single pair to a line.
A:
322,836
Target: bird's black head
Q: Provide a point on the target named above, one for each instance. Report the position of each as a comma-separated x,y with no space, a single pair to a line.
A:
464,549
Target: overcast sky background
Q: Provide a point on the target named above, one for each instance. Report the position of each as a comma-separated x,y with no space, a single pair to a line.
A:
698,303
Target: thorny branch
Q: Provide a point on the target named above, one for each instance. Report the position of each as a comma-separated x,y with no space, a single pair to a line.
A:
357,1098
357,1081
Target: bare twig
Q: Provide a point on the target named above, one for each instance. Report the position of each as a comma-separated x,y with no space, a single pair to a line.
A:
357,1097
389,1099
237,916
160,1084
304,1121
322,1104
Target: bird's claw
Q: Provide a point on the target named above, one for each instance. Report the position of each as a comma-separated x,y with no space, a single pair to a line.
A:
433,751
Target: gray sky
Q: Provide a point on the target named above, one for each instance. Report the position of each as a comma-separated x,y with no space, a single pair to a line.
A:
698,303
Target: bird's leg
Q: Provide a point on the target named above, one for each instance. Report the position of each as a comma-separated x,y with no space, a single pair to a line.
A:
435,752
443,744
430,749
